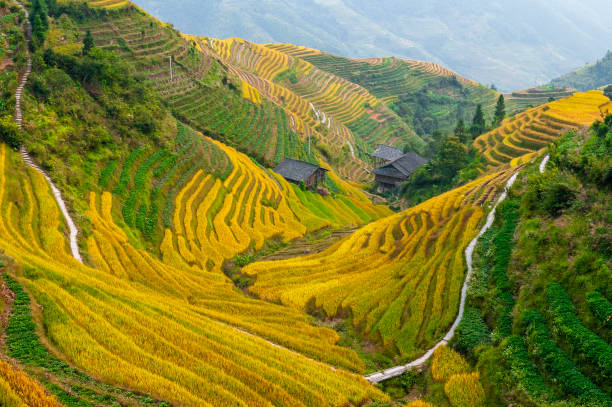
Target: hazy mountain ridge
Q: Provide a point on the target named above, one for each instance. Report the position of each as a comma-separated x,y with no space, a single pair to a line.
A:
513,45
590,76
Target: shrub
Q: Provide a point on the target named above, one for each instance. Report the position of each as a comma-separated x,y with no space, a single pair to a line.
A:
465,390
10,132
600,307
446,363
419,403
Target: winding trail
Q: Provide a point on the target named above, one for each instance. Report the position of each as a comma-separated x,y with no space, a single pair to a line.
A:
543,163
73,231
387,374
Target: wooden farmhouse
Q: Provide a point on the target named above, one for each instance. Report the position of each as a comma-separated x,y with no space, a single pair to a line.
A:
394,173
385,154
296,171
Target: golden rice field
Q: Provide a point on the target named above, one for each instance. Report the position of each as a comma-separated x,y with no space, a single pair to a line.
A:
343,100
318,104
399,278
17,389
215,220
462,387
521,137
107,4
179,334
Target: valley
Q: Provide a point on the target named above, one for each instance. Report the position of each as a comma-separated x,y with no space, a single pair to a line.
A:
152,252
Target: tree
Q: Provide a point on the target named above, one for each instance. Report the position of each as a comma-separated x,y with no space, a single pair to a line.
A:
10,132
461,132
608,91
451,157
39,8
38,29
88,43
39,20
500,110
478,123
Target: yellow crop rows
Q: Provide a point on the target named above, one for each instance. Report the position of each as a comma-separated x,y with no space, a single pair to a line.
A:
465,390
250,93
419,403
400,276
17,389
446,363
294,50
520,137
439,70
214,220
183,335
108,4
336,96
462,387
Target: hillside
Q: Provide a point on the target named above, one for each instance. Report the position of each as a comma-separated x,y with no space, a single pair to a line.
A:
590,76
540,42
151,256
426,96
539,302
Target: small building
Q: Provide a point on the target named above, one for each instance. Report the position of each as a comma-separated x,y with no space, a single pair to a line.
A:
296,171
394,173
385,154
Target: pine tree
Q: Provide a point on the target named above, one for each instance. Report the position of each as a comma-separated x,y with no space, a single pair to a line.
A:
88,42
461,131
500,110
478,123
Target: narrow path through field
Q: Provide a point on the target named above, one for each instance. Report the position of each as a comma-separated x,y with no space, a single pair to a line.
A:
395,371
469,251
73,231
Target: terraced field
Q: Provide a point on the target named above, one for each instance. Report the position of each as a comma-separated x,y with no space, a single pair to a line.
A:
17,388
319,98
521,136
197,88
416,84
206,202
184,336
407,295
533,97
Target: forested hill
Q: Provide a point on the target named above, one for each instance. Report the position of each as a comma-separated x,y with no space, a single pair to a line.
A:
591,76
541,39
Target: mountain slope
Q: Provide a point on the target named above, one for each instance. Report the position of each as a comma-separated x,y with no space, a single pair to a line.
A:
542,39
591,76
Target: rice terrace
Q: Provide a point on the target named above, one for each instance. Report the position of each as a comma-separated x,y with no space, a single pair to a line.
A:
188,220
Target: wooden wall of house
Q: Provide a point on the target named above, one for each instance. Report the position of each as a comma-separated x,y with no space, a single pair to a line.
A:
383,179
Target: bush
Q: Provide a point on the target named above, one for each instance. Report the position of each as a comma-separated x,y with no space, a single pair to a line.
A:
472,331
10,132
550,192
600,307
446,363
557,197
465,390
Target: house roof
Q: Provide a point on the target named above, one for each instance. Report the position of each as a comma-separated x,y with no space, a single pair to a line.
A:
402,167
387,153
294,170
